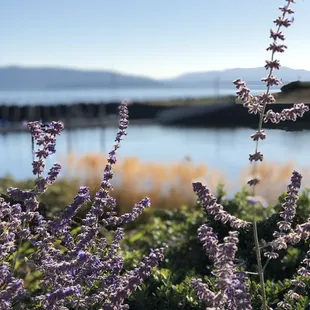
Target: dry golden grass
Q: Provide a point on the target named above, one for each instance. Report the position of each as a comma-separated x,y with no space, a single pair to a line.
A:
169,185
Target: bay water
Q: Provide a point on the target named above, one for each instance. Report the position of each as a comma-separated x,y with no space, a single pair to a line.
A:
221,149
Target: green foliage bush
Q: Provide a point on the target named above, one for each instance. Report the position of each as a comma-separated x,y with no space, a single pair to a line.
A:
168,287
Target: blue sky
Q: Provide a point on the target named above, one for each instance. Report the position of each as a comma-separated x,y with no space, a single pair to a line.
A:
161,38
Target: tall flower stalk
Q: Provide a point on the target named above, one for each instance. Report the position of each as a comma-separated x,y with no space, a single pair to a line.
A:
258,104
255,105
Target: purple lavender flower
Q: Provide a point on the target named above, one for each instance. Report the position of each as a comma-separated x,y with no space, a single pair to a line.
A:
234,293
257,104
136,211
231,284
61,225
10,227
305,271
208,201
56,299
10,287
53,173
103,202
289,210
291,114
132,279
209,240
20,195
202,292
291,296
224,265
45,137
241,292
84,260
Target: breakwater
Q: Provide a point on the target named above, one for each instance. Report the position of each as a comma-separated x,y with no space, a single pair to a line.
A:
79,115
227,115
14,113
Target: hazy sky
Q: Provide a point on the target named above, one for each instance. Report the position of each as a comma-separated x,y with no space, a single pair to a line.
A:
159,38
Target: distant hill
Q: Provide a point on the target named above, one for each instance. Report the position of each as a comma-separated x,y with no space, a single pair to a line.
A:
14,77
251,75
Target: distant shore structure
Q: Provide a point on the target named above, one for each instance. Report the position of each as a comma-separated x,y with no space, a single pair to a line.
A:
216,111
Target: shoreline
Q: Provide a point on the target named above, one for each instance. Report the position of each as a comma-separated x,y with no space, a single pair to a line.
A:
223,111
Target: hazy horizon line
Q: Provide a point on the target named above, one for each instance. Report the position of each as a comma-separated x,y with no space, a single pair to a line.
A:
76,68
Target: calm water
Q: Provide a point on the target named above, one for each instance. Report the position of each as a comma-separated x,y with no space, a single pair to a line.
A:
224,149
35,97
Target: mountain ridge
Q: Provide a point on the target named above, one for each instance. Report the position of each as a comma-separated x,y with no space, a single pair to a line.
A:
45,77
248,74
19,77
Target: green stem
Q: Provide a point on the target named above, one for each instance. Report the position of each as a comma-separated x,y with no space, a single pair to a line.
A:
268,260
253,273
259,263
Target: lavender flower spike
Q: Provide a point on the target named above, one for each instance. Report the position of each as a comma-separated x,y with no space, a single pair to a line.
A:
208,201
132,279
289,210
203,293
231,284
103,201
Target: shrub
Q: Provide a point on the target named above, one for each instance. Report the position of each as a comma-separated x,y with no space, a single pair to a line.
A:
73,268
184,258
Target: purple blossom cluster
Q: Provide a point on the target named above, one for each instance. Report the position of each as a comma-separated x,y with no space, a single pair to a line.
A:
291,296
231,282
258,104
78,270
211,207
289,210
10,286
